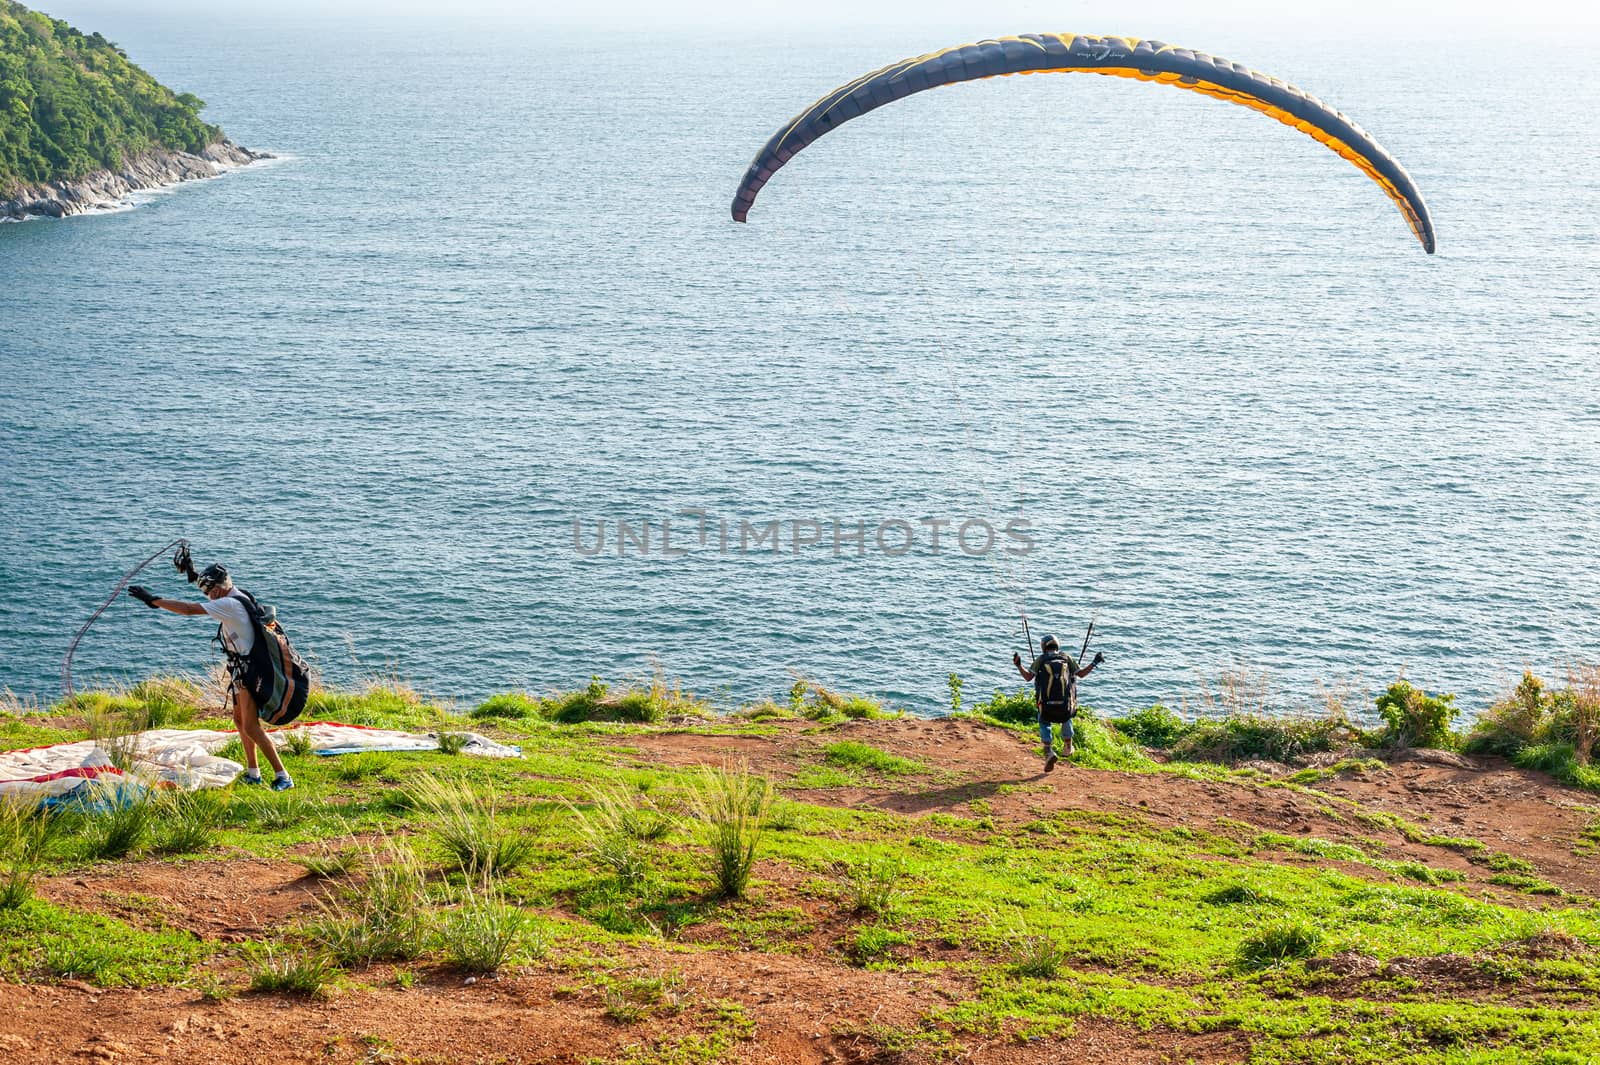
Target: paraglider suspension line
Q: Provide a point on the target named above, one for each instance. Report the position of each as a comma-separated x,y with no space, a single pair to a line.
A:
72,648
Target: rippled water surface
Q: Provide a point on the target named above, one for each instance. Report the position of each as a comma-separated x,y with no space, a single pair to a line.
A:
494,289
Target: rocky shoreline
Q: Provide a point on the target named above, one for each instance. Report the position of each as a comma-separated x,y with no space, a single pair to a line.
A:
103,188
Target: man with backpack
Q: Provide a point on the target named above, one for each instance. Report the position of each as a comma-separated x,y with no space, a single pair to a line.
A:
266,681
1055,679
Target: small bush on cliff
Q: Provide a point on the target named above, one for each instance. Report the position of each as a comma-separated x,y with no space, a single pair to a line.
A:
1249,737
1154,726
1416,719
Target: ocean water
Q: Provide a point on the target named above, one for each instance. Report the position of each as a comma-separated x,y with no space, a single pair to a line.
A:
493,290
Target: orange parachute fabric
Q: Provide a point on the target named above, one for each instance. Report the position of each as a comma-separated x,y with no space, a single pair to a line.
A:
1037,53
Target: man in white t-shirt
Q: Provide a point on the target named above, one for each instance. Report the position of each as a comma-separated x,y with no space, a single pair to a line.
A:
238,638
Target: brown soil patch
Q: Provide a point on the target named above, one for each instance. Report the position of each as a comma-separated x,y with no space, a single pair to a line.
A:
225,900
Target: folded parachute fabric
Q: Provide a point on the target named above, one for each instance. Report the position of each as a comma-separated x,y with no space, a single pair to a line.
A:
332,738
187,759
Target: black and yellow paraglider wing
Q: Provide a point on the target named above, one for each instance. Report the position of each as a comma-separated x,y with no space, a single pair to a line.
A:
1152,61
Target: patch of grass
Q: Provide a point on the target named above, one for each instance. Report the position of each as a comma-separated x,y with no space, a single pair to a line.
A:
186,822
452,742
1239,895
1154,726
25,836
811,700
118,820
732,805
851,754
874,942
327,863
644,704
1345,765
353,768
483,931
1036,954
1278,942
615,824
385,918
38,937
1256,737
293,973
871,885
467,823
270,810
507,706
297,743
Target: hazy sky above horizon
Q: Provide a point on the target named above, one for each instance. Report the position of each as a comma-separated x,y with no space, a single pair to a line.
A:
1132,16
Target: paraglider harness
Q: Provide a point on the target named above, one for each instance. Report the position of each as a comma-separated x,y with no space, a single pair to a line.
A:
1055,687
276,678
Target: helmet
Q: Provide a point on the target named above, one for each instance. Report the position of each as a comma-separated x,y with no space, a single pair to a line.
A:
1046,642
213,576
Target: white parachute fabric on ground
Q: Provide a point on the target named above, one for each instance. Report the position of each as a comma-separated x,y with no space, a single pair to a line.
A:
187,758
331,738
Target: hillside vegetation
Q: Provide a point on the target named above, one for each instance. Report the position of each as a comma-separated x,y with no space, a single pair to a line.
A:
71,104
823,881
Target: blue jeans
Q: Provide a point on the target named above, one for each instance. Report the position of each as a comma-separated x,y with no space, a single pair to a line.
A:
1047,735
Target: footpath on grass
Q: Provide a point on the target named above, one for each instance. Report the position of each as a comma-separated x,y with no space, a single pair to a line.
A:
817,880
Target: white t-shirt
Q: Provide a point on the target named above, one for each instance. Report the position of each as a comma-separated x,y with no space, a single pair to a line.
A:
237,632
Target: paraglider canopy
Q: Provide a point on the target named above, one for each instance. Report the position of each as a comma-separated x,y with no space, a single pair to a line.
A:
1127,57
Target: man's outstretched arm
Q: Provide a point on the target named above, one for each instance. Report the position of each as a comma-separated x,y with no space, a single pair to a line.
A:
1088,669
177,606
1016,660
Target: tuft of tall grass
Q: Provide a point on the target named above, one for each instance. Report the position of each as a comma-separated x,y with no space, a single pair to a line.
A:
353,768
617,820
186,821
119,819
385,918
1279,942
452,742
732,805
294,973
871,885
812,700
297,743
507,706
327,863
483,932
467,824
25,836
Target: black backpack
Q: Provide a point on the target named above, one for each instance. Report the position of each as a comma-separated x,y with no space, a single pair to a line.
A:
1055,687
276,678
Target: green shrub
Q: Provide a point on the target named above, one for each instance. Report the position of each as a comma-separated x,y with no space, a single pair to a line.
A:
1513,721
955,693
1278,942
1099,746
1015,709
1416,719
453,742
1252,737
811,700
507,705
1238,895
1154,726
732,805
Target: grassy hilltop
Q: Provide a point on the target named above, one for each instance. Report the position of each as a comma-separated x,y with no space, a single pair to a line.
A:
71,104
813,880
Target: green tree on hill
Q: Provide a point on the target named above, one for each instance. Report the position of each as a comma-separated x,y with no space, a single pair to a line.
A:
72,103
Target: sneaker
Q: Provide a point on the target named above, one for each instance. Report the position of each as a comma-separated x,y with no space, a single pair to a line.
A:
1050,761
283,783
1066,749
252,781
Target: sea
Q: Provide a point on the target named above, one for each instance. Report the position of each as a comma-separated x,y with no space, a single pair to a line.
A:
481,387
